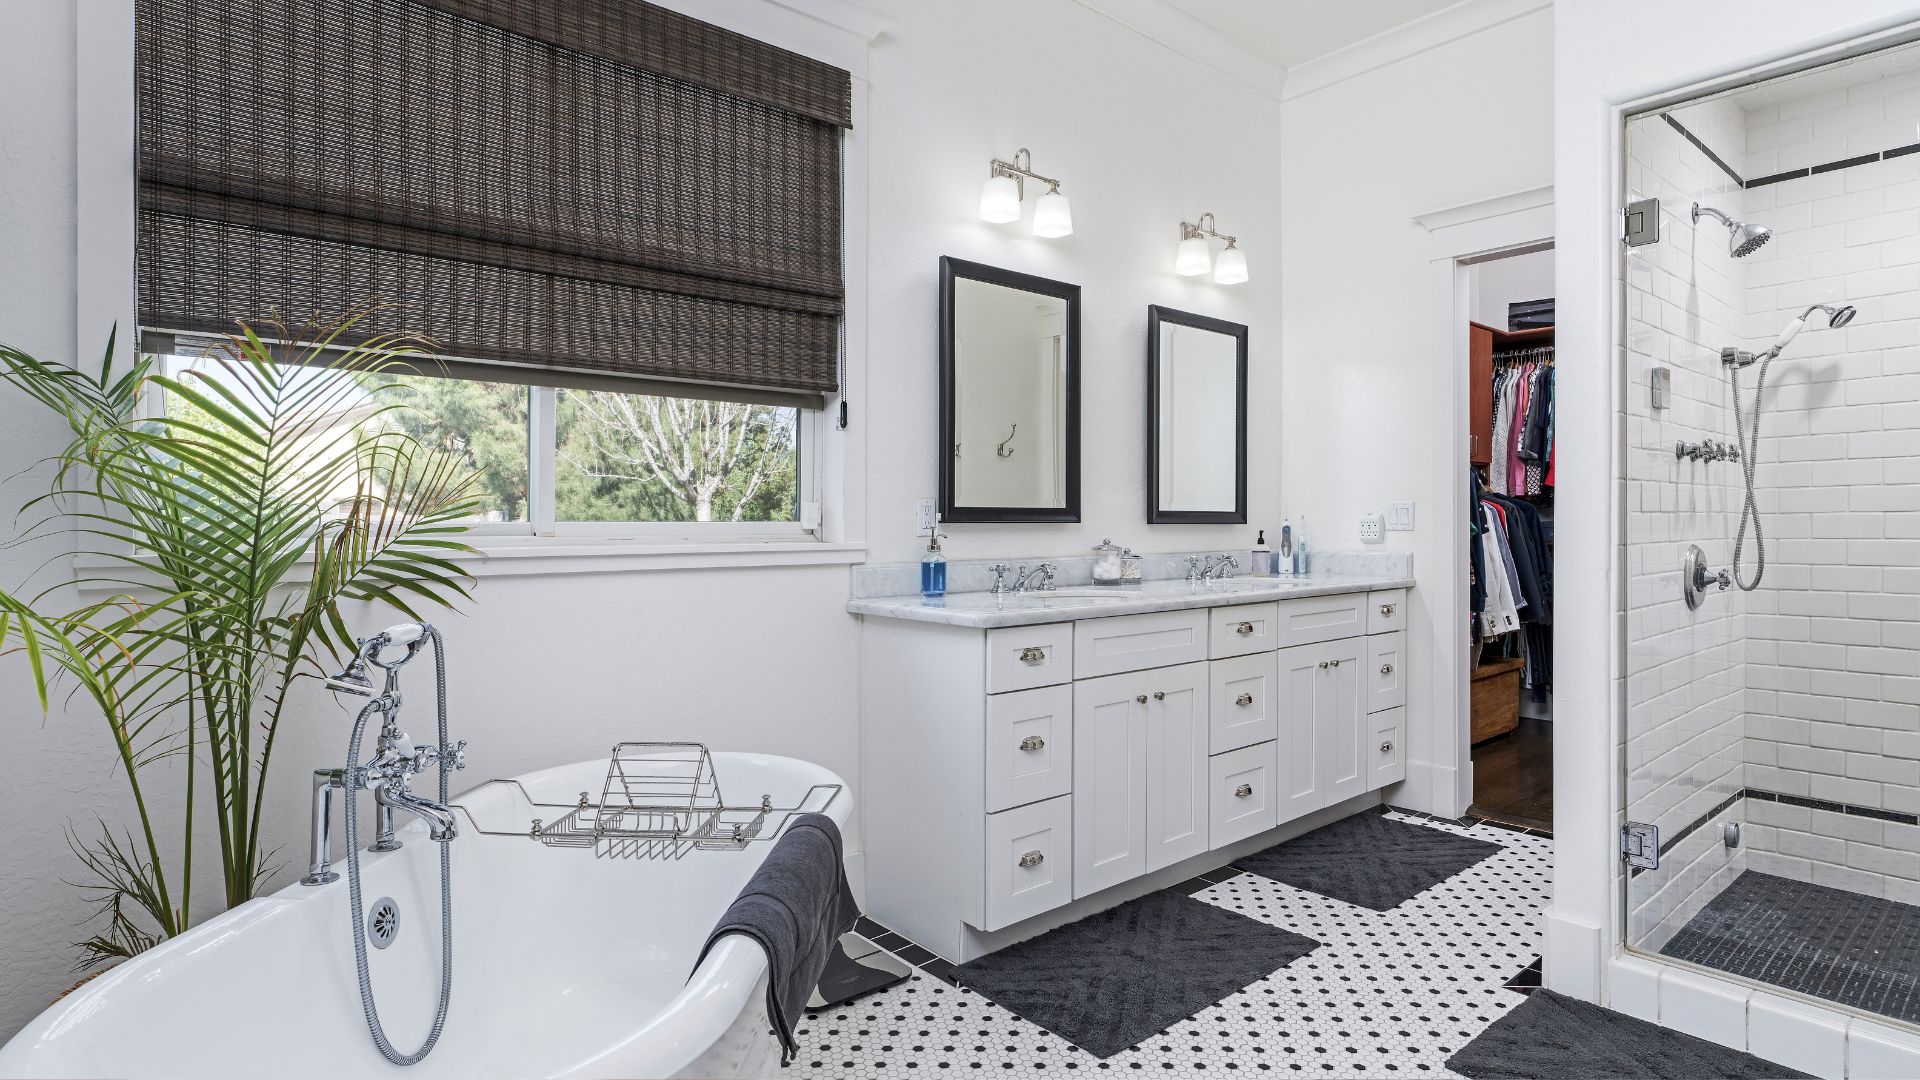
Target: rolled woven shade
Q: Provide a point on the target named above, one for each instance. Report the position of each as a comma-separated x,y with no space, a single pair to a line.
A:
592,188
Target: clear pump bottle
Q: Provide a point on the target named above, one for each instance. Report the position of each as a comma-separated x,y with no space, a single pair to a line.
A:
933,565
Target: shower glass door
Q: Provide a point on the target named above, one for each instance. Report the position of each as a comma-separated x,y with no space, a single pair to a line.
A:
1772,729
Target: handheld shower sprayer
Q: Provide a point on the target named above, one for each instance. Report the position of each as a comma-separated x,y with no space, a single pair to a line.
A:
1748,439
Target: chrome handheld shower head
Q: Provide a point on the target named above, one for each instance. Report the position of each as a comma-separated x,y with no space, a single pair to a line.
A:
1837,317
1743,238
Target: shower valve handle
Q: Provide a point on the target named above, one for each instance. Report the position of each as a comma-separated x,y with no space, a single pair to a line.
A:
1702,578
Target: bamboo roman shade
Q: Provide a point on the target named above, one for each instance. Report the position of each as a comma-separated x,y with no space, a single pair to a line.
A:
588,188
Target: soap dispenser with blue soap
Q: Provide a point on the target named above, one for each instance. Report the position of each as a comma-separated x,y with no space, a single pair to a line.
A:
933,565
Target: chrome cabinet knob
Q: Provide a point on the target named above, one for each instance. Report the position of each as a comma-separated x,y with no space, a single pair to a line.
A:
1323,665
1032,858
1032,743
1159,695
1243,791
1386,746
1386,669
1243,700
1033,654
1245,629
1386,609
1142,699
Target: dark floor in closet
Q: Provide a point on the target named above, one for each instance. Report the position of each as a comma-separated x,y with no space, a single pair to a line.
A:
1513,776
1857,950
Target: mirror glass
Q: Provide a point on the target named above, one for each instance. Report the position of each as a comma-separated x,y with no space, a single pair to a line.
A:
1198,421
1009,360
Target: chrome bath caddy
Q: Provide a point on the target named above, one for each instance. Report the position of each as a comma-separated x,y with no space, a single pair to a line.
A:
660,800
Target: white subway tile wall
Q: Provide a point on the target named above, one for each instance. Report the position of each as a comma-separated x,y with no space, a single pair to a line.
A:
1686,297
1833,633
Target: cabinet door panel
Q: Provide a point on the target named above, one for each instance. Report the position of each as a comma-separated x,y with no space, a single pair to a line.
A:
1386,671
1028,852
1340,717
1297,691
1109,781
1176,764
1243,794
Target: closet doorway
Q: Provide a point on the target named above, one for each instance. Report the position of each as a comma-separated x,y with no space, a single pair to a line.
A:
1510,482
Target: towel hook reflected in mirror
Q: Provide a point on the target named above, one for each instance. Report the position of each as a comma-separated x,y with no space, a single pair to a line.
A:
1003,449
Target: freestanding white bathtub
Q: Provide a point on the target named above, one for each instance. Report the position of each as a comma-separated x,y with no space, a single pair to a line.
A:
565,964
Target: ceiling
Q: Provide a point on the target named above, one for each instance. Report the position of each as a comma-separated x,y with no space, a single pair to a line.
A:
1290,32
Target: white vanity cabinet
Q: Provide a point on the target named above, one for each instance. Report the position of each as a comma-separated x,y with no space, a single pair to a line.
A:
1013,770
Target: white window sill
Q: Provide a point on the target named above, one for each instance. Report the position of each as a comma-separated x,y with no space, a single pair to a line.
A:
529,556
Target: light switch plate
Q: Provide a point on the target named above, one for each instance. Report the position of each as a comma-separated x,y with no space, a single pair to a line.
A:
1373,528
1400,517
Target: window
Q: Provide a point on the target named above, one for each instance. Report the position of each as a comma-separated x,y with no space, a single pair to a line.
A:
611,464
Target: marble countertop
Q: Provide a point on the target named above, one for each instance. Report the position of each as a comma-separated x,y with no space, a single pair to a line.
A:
983,610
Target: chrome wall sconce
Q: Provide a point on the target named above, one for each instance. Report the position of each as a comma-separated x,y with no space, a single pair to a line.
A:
1195,254
1006,186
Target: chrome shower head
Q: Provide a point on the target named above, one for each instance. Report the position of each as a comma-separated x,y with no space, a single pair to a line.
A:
1743,238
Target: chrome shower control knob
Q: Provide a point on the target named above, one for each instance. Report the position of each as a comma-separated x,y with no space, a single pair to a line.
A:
1032,743
1032,858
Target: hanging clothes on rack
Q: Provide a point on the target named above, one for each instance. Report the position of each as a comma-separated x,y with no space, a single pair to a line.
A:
1522,451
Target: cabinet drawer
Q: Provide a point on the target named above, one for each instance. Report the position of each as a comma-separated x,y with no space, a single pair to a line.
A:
1388,754
1386,611
1244,797
1029,746
1135,642
1241,629
1312,619
1029,861
1385,677
1241,704
1023,657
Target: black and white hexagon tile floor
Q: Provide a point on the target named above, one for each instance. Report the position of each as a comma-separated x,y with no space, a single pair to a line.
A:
1388,993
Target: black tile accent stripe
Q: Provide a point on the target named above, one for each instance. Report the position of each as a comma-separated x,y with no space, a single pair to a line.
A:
1703,148
1846,163
1826,167
1668,843
1901,151
1774,178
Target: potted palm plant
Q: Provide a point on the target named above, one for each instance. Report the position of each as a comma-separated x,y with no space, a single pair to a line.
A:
220,541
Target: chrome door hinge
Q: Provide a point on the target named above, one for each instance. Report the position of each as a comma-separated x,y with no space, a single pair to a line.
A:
1643,222
1640,845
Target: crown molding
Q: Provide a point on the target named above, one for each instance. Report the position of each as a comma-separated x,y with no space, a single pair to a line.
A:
1182,34
836,32
1482,209
1421,35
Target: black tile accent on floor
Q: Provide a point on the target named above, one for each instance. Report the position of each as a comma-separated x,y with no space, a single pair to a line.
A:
1829,943
1369,860
1550,1037
1123,975
1527,979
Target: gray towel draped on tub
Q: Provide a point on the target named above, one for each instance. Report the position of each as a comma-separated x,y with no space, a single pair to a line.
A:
796,905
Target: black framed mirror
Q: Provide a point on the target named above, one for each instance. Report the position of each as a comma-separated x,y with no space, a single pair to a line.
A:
1009,395
1196,419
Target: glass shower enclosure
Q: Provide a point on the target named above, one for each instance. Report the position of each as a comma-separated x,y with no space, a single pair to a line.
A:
1772,352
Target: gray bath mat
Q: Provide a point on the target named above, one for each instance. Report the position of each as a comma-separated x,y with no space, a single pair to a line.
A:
1113,979
1862,951
1369,859
1549,1037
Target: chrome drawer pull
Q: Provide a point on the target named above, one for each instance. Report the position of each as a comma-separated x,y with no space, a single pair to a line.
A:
1243,791
1245,629
1386,746
1243,700
1386,669
1159,695
1032,858
1387,610
1033,654
1032,743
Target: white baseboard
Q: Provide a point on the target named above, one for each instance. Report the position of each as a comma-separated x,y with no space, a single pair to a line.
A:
1571,958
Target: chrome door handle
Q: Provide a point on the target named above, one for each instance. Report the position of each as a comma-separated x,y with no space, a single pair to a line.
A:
1032,743
1033,654
1243,791
1032,858
1386,746
1243,699
1245,629
1159,695
1386,669
1386,609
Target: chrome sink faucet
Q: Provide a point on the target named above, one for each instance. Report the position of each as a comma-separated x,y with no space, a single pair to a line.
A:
396,759
1044,572
1219,567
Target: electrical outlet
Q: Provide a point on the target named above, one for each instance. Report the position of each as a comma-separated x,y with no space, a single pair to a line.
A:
1400,517
924,511
1373,529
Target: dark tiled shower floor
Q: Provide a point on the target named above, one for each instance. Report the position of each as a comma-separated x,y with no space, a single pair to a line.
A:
1857,950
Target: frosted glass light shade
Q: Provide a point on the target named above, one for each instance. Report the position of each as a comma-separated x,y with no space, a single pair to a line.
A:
1000,200
1230,268
1193,258
1052,215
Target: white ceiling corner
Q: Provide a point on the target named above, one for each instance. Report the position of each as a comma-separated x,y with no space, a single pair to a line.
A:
1161,21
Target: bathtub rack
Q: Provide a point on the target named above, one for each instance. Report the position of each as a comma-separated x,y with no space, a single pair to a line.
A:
660,800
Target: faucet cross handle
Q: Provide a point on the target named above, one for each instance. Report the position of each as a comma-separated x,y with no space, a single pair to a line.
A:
1194,572
999,572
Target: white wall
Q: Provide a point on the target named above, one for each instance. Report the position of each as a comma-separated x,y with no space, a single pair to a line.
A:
1512,280
553,669
1604,57
1465,121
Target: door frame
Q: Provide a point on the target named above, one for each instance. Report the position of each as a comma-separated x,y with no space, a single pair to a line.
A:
1440,764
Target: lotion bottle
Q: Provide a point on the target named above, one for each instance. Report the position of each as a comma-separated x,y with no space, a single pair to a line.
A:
1260,564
